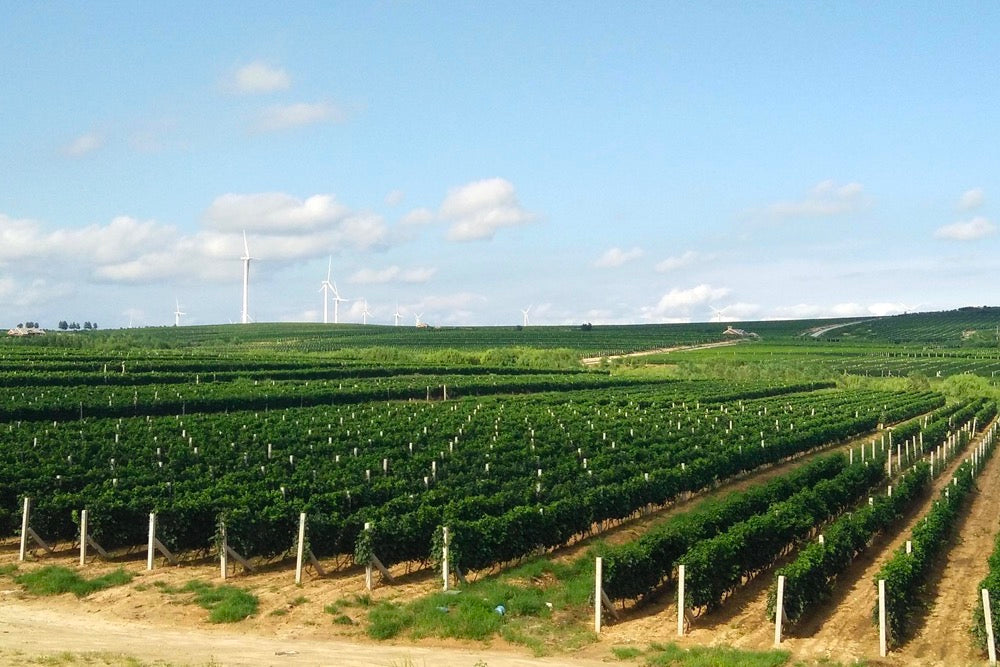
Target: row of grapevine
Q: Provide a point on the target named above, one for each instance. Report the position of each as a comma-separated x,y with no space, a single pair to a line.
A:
905,573
637,568
810,578
717,566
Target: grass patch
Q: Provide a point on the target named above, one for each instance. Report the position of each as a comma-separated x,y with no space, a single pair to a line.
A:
625,652
8,569
668,655
541,605
56,580
343,619
225,604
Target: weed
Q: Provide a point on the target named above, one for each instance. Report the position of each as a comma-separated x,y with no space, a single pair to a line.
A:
55,580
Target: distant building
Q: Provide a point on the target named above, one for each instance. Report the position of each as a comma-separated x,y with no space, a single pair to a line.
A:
26,331
730,331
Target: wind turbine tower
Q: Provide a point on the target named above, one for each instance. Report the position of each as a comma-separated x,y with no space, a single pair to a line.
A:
336,304
178,313
365,312
396,316
326,287
524,312
245,313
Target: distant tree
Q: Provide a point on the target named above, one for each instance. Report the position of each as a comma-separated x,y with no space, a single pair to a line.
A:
586,326
86,325
74,326
63,324
94,326
20,325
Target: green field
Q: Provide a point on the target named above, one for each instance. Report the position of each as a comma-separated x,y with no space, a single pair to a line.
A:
503,435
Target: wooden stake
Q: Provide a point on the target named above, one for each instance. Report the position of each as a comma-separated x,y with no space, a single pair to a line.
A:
680,600
779,610
882,648
83,537
24,528
991,646
598,602
151,542
300,552
368,568
223,550
444,557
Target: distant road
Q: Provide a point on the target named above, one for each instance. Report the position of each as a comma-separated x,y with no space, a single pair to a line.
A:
816,332
593,361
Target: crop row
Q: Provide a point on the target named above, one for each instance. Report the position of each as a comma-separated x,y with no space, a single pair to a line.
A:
493,466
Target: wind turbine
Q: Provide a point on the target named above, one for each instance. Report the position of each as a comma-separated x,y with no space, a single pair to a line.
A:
326,287
365,312
417,316
396,317
178,313
245,314
524,312
336,304
719,312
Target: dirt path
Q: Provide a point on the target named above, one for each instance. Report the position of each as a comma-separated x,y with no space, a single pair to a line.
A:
35,628
844,628
593,361
816,332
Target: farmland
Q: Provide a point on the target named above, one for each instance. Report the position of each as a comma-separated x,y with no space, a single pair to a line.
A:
730,461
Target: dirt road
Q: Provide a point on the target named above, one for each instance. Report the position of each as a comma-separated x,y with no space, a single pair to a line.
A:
35,628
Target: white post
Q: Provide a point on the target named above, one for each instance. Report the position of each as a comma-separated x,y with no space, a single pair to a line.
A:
909,547
680,600
881,619
991,646
24,528
301,551
444,557
83,537
598,575
779,610
151,542
223,544
368,565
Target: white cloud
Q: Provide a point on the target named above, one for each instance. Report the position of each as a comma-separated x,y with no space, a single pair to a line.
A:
395,198
968,230
477,210
418,216
804,311
259,77
614,257
677,303
824,200
391,274
736,312
971,199
274,212
120,239
32,293
83,145
687,258
290,116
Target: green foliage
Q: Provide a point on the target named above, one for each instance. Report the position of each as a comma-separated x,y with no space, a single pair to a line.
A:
56,580
226,604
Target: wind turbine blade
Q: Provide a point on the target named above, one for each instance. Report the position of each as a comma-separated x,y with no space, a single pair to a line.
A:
246,247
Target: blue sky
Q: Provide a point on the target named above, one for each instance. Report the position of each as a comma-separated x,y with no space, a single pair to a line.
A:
602,162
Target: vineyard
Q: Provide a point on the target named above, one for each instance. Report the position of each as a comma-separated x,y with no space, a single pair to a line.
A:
732,465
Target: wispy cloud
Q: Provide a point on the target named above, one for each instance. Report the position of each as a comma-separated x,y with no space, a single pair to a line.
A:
967,230
479,209
826,199
971,199
615,257
85,144
259,77
289,116
395,198
392,274
685,259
